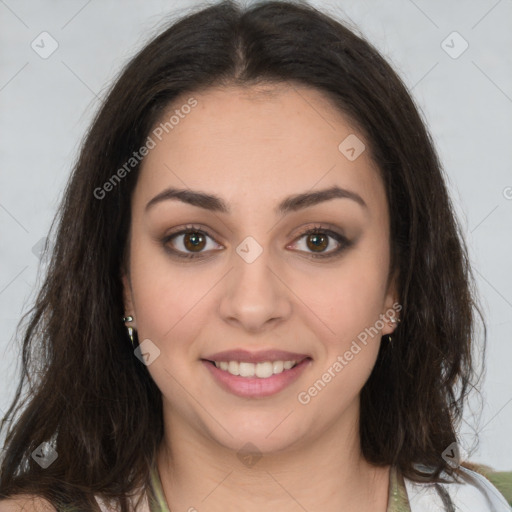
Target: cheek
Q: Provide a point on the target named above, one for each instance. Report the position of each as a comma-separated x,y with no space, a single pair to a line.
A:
350,306
167,297
346,298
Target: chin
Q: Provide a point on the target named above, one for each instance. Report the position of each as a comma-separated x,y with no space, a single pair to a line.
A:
265,434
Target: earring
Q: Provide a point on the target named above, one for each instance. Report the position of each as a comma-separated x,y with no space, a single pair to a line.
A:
130,330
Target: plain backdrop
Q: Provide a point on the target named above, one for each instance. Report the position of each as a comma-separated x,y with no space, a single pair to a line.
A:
454,56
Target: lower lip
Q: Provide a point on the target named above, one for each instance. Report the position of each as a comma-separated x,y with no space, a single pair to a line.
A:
254,387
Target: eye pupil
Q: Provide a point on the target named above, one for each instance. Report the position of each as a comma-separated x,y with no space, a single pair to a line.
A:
317,241
196,239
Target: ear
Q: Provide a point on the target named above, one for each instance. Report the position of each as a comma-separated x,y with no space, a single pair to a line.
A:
129,309
392,306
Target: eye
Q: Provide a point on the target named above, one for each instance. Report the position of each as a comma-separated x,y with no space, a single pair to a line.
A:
317,241
192,239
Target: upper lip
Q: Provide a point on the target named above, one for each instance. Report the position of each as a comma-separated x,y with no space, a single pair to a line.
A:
256,357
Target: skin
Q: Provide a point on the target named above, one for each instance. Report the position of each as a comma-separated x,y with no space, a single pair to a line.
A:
253,147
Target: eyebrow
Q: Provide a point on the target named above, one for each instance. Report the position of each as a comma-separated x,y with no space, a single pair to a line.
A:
290,204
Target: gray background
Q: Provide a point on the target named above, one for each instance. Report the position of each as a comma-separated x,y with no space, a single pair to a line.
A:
466,99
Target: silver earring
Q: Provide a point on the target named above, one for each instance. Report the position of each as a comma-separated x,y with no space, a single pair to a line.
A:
130,330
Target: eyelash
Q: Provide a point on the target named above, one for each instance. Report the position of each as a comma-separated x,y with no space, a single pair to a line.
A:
344,242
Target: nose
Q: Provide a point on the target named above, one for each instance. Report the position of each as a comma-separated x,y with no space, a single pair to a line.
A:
255,294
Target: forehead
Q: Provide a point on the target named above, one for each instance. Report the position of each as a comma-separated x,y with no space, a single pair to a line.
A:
258,143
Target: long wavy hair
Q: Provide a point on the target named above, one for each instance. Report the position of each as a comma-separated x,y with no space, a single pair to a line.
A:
83,391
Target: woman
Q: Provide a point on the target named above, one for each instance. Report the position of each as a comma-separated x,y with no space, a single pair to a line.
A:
259,297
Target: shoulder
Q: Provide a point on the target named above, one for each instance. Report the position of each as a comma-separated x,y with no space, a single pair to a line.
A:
26,503
32,503
472,492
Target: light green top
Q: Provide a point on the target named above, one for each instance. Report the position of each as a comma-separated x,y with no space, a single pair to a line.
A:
397,502
156,497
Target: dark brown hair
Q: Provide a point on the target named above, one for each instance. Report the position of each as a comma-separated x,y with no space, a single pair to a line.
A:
96,402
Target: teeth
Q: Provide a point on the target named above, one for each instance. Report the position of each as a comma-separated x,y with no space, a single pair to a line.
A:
233,368
278,366
247,369
261,370
264,370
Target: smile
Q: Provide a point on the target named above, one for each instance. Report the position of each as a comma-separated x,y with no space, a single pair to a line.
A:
262,370
255,375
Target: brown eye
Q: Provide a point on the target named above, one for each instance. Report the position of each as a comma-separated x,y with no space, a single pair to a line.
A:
190,242
194,241
319,242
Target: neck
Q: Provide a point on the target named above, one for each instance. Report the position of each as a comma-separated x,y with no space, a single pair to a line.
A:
327,473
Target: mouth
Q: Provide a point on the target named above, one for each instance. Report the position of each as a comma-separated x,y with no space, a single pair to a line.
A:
256,375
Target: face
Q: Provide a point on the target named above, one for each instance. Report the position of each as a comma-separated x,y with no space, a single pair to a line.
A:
239,273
